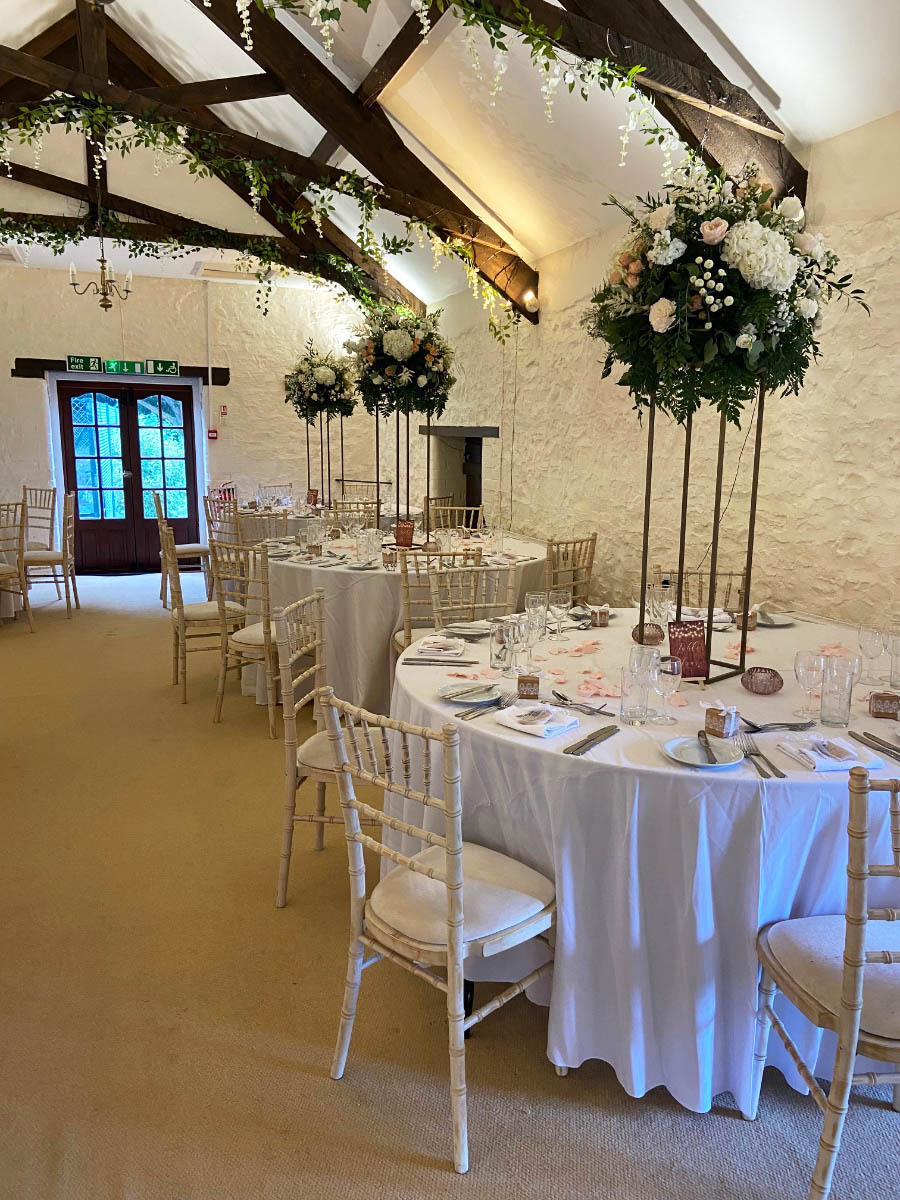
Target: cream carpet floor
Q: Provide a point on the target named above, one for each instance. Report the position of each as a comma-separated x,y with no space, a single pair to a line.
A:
166,1034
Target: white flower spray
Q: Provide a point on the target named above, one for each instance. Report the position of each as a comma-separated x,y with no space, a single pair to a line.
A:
243,10
501,62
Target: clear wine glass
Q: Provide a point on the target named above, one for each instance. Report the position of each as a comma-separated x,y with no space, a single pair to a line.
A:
872,643
668,678
558,603
514,638
808,668
536,604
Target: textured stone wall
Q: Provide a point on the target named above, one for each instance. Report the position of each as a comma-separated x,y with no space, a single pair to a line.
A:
572,454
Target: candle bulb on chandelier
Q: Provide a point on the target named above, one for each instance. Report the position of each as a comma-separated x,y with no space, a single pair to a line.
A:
73,274
111,273
128,279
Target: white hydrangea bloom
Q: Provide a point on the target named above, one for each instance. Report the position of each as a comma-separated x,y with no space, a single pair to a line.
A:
762,256
666,249
324,375
398,344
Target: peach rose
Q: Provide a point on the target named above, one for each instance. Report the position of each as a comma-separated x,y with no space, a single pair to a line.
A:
625,258
635,267
766,206
713,232
640,248
632,280
615,277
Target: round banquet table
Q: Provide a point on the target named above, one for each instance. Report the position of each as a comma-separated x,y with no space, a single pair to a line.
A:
363,609
663,873
255,526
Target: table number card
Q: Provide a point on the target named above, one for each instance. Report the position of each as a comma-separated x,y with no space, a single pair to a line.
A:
687,641
312,497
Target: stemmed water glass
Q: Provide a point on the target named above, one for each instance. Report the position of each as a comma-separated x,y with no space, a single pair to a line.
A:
808,668
515,634
872,644
536,607
668,678
558,603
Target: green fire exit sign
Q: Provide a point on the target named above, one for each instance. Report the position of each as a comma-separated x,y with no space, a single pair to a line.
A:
162,366
84,362
123,366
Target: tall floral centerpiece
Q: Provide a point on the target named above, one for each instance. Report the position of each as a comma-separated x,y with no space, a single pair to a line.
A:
404,365
715,296
322,385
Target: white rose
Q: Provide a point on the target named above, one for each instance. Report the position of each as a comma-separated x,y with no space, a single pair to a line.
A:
746,337
662,217
806,308
398,344
324,375
791,209
662,315
421,381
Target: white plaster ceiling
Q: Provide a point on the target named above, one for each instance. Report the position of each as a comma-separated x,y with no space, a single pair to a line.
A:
819,66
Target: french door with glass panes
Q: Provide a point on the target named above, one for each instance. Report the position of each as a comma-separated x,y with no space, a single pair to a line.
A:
121,443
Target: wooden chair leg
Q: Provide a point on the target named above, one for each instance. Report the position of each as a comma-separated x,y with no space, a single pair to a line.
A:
182,654
68,594
348,1011
56,583
319,843
75,589
220,690
207,577
761,1043
174,654
562,1072
271,695
456,1023
26,604
830,1141
163,587
287,839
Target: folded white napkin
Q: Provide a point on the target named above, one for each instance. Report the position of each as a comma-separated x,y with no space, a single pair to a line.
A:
469,626
803,751
436,645
720,615
559,720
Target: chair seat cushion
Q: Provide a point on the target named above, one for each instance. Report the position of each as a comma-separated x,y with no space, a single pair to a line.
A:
811,951
316,752
43,557
498,893
7,569
208,610
399,639
36,546
250,635
191,549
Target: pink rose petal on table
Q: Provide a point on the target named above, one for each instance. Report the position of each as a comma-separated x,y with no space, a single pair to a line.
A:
558,650
489,673
463,675
539,657
678,701
733,650
833,649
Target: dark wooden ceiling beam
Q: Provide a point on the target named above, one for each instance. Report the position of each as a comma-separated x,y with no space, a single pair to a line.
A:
370,137
214,91
90,20
46,42
681,81
394,57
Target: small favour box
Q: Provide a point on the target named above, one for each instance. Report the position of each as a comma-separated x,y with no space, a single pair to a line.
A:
403,534
722,722
599,618
751,620
529,687
884,704
315,549
312,497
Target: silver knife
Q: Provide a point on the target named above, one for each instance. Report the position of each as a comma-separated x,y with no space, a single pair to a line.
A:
589,742
874,743
440,662
708,750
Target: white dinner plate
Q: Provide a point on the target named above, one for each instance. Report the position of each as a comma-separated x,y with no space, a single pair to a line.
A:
777,622
689,752
490,691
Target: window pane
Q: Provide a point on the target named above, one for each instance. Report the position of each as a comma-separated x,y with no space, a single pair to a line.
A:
107,410
176,505
171,411
86,473
85,441
110,440
83,409
152,473
173,439
114,506
175,474
150,442
110,473
149,506
89,506
148,410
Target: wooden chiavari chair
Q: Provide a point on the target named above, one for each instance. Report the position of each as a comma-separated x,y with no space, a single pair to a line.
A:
430,502
368,512
569,566
241,575
358,490
451,900
695,594
222,491
12,554
222,519
182,550
456,516
40,519
415,589
824,967
470,593
60,564
198,626
300,640
274,493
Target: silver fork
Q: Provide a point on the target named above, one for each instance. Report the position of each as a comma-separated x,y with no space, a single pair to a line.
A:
743,744
470,714
754,749
584,708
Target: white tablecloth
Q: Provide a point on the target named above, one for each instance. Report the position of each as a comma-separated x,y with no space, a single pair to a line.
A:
362,610
663,874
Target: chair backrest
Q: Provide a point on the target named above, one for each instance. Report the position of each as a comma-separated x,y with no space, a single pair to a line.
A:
222,518
455,516
271,492
569,565
274,524
368,512
358,490
695,592
860,869
67,539
430,502
354,756
415,586
241,574
12,532
470,593
170,564
300,637
40,519
223,491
